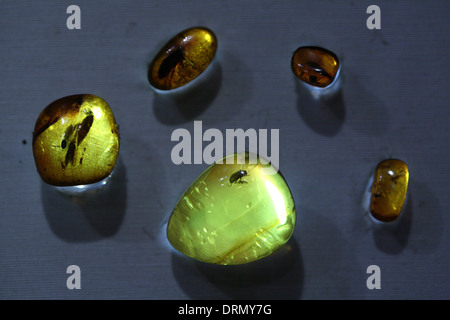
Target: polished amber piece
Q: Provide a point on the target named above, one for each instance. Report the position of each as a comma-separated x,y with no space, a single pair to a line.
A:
315,66
389,189
76,141
183,58
233,213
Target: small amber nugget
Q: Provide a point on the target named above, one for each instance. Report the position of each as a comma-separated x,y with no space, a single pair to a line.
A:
76,141
315,66
183,58
389,189
233,213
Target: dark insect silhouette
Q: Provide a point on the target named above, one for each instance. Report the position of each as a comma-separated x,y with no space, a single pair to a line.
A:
170,62
237,177
73,136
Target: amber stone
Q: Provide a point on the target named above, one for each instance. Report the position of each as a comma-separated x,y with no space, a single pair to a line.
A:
76,141
183,58
233,213
315,66
389,190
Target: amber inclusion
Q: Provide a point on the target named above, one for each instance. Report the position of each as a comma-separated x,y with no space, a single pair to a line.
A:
183,58
389,190
233,213
315,66
76,141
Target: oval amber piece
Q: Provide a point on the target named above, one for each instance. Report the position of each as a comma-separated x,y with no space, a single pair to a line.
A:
233,214
183,58
315,66
75,141
389,189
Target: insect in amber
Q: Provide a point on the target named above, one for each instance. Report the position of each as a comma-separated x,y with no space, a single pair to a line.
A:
170,62
237,177
75,141
315,66
183,58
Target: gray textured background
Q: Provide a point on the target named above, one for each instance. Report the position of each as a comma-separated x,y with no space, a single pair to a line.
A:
394,103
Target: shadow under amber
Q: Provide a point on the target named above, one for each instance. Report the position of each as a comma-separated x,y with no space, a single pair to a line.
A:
420,227
325,114
90,216
186,104
392,237
278,277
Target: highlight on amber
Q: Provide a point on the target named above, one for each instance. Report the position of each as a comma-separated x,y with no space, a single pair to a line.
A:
389,190
183,58
76,141
315,66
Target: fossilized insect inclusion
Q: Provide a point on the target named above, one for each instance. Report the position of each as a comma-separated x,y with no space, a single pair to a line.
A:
233,213
76,141
389,189
183,58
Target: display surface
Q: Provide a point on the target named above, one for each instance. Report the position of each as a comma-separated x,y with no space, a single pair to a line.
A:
393,104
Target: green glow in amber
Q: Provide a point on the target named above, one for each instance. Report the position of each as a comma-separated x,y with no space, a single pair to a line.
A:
233,213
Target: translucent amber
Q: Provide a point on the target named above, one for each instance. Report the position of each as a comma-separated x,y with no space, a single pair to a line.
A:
183,58
389,189
233,213
315,66
75,141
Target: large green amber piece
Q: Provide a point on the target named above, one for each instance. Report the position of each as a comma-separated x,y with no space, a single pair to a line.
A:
235,212
76,141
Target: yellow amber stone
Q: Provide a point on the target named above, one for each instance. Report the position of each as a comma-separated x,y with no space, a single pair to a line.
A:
389,189
76,141
315,66
183,58
233,213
